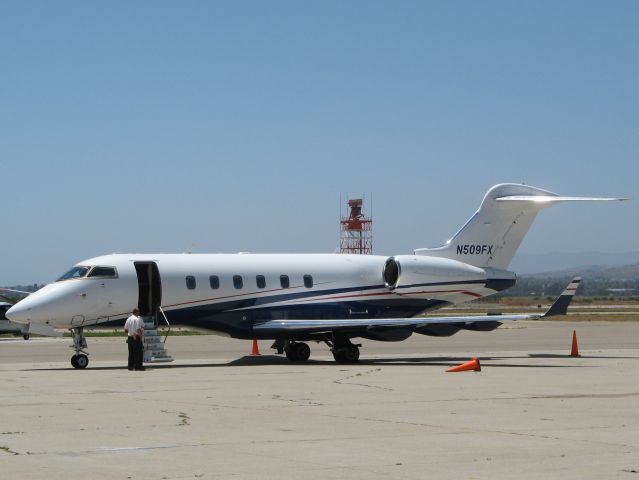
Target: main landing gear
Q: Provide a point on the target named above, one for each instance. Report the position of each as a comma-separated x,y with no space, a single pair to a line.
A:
297,351
343,350
81,358
348,354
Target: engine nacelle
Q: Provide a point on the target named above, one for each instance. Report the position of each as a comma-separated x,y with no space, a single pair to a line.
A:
405,272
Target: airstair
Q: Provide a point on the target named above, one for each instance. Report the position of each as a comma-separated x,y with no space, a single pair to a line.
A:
154,346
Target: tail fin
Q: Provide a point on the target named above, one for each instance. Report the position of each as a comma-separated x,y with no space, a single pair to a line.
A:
492,236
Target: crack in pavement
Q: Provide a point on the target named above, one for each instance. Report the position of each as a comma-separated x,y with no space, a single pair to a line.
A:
303,402
342,381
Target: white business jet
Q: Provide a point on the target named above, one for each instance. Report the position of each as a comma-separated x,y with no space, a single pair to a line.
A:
295,298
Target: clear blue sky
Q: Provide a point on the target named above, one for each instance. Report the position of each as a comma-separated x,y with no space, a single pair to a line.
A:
233,126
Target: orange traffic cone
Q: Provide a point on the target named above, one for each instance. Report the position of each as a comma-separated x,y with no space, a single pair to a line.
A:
574,351
471,365
255,350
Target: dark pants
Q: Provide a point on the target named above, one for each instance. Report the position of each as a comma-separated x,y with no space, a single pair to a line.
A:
136,353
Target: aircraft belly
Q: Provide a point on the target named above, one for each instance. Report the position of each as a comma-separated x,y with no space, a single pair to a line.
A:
234,319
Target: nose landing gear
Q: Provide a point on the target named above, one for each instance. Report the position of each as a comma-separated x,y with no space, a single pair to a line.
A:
81,358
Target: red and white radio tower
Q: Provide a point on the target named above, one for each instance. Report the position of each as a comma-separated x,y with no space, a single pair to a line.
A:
356,230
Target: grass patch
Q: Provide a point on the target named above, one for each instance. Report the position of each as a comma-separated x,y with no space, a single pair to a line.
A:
603,317
571,317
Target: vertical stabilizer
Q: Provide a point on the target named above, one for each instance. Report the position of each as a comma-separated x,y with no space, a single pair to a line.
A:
493,234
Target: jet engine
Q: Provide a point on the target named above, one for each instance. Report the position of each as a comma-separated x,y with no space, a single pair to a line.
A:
403,272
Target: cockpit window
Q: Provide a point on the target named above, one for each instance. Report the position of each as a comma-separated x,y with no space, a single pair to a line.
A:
75,272
103,272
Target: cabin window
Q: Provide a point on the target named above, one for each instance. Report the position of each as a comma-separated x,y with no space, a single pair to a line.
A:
75,272
103,272
237,281
308,281
260,281
284,281
190,282
214,280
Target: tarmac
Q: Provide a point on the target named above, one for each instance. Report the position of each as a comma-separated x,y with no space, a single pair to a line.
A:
215,413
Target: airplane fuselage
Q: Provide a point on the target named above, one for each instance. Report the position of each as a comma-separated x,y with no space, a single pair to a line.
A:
292,298
229,293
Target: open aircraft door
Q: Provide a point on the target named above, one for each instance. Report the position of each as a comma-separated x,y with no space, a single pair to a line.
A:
149,288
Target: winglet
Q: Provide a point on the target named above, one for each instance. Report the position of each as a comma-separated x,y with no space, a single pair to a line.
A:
560,307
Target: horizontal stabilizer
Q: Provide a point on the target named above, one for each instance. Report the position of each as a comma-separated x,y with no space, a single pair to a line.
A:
560,307
555,199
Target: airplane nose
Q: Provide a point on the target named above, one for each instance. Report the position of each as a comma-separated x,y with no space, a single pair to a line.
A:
18,313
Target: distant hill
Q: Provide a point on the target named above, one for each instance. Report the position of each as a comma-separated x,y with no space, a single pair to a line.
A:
593,272
527,263
599,281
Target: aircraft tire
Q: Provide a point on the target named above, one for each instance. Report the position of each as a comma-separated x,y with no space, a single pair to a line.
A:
348,354
74,361
352,354
298,352
302,352
25,336
81,361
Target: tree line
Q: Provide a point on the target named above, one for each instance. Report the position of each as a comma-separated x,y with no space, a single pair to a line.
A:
590,287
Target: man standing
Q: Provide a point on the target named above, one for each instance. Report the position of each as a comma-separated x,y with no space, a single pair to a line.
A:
135,328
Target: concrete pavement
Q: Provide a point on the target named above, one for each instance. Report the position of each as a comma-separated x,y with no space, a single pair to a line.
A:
531,412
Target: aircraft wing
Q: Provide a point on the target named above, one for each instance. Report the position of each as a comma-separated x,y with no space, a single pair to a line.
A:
21,292
371,324
6,299
288,326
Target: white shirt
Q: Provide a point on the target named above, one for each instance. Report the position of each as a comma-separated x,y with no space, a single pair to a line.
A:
133,324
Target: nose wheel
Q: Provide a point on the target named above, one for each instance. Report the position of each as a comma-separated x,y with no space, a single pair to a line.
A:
79,361
81,358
